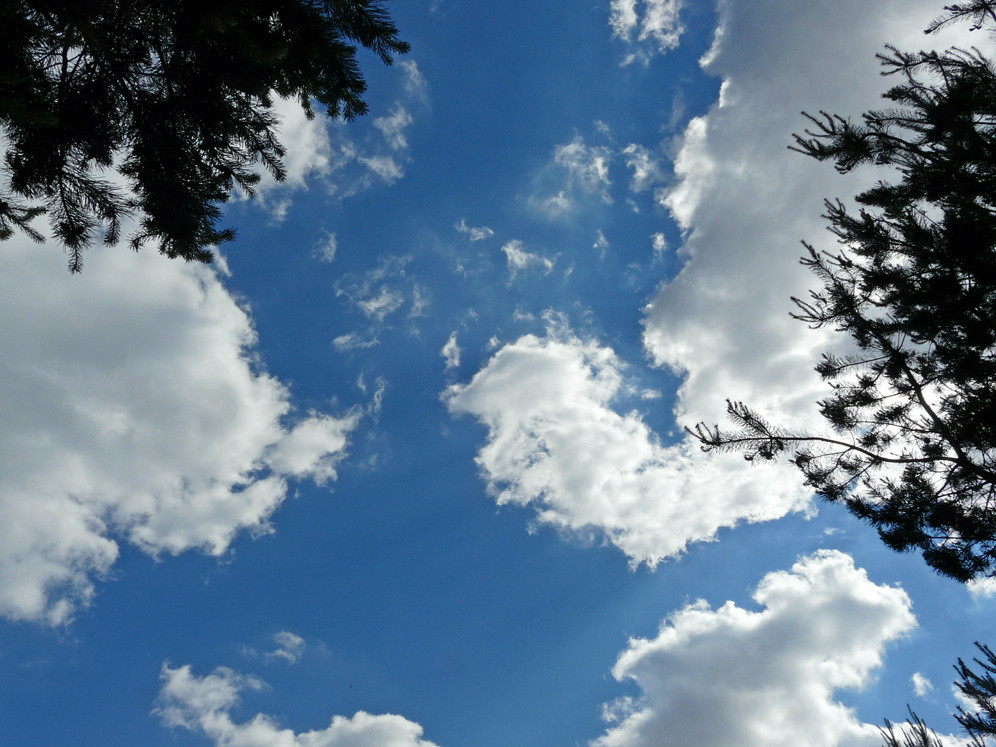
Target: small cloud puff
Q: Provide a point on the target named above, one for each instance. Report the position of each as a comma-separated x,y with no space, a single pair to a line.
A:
451,352
475,233
381,291
660,243
519,259
660,28
393,127
587,166
921,685
327,249
289,648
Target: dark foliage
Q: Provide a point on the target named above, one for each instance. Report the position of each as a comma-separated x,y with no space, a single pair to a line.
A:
121,107
911,445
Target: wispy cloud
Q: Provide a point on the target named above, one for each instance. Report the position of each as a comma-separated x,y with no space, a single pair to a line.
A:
478,233
656,31
288,649
451,352
519,260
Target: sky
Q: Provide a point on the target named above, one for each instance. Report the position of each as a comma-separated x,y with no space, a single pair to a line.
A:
406,464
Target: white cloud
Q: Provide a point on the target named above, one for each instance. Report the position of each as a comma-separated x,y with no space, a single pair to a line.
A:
555,442
393,127
309,150
577,173
982,588
646,170
554,206
451,352
416,86
328,248
381,304
519,259
312,448
289,649
587,166
309,153
382,290
601,243
662,23
745,201
354,341
476,233
203,705
133,409
767,678
660,28
383,166
921,685
623,18
659,243
420,300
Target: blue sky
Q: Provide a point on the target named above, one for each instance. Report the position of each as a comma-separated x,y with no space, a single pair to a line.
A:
406,467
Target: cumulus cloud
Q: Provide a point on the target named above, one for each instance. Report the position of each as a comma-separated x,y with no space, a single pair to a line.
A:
451,352
133,409
744,201
766,678
519,259
475,233
203,705
381,304
659,29
555,441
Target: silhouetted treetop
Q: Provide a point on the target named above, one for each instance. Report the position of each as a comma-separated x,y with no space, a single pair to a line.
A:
160,107
911,414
